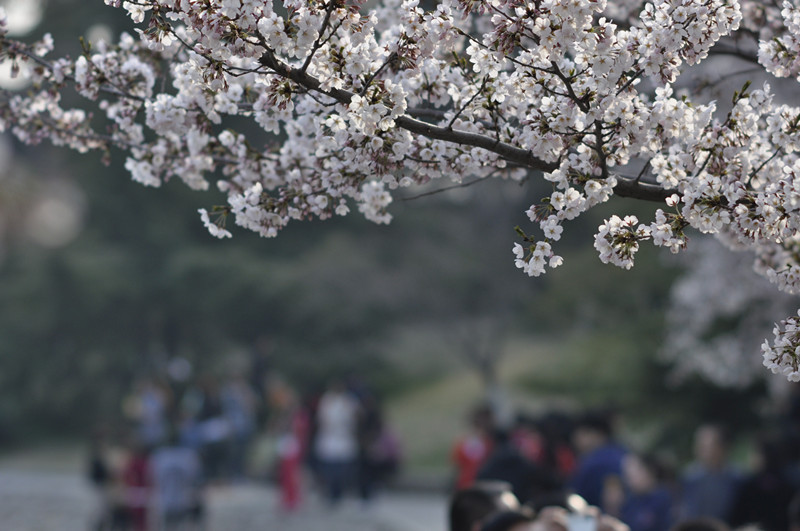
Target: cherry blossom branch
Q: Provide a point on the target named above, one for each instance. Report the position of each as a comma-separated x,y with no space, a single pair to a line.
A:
368,82
469,101
107,87
506,151
319,42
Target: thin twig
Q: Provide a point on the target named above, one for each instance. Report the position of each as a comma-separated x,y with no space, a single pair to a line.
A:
453,187
463,107
318,42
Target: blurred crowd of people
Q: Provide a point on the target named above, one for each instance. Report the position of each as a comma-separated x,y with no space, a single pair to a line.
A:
182,436
546,460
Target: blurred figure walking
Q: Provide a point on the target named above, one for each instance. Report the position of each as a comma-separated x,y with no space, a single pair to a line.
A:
292,442
600,457
764,496
336,443
239,404
214,430
137,484
648,503
178,486
710,483
471,450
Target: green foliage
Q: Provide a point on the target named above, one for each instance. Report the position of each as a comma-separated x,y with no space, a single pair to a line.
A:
144,282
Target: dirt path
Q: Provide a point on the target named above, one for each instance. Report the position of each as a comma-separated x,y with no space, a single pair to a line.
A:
34,500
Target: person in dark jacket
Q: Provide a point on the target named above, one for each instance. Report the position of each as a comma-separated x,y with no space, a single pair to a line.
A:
764,496
528,480
648,504
600,458
710,483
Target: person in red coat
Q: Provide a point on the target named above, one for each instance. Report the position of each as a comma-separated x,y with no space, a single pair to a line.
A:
471,450
292,447
137,484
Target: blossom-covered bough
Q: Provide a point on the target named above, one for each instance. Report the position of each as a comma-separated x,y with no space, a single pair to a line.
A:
719,313
351,101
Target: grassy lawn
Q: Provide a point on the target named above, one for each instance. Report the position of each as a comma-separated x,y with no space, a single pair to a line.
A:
432,417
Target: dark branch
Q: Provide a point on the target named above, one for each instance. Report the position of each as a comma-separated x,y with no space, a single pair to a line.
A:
644,191
510,153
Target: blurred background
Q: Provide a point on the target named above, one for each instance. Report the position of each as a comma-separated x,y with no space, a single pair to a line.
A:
113,293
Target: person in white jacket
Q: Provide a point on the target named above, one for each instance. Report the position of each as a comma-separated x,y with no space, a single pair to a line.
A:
336,442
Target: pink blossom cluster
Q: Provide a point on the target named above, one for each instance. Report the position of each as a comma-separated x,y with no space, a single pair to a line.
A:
351,104
779,54
782,356
718,288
